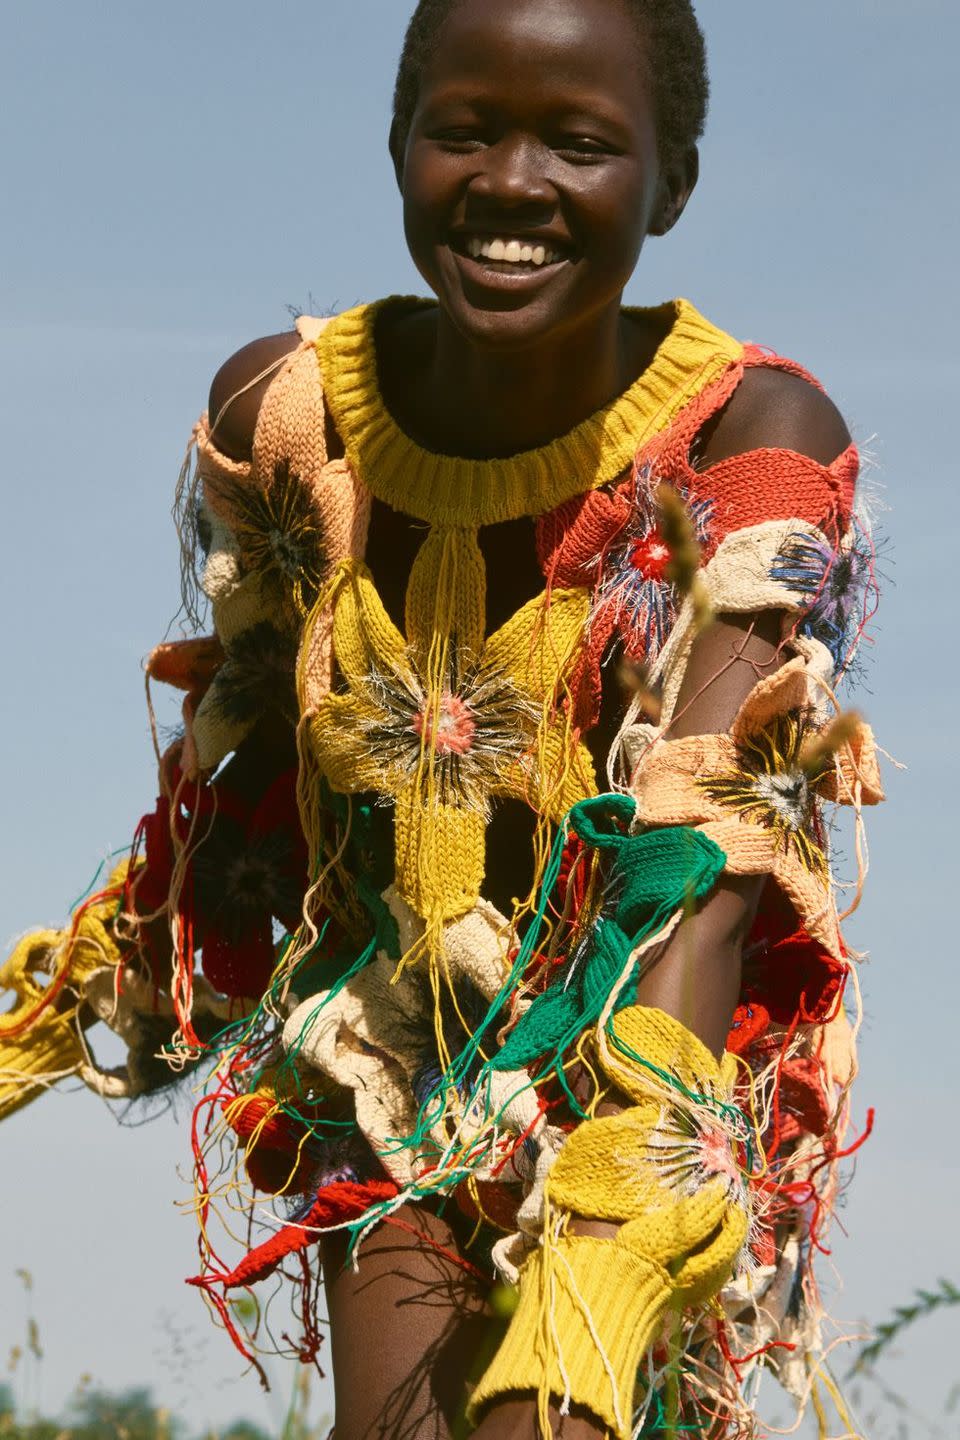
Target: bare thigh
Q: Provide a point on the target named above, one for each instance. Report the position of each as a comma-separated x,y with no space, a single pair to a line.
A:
408,1328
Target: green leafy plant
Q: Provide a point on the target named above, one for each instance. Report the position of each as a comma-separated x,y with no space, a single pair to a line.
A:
926,1303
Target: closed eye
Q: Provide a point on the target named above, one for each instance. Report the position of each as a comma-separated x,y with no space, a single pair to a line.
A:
583,149
460,140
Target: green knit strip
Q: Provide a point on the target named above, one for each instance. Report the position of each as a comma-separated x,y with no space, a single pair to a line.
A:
654,875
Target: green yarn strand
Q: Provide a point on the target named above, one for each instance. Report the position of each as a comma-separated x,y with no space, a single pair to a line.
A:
656,874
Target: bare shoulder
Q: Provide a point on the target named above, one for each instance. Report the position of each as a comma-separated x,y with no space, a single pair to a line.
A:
238,389
775,409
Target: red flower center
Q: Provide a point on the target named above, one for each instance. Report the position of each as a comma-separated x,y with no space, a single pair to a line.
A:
448,728
651,556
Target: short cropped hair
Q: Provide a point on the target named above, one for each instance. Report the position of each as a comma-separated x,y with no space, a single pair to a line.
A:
678,64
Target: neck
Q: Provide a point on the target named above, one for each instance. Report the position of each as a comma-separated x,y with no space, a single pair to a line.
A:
481,404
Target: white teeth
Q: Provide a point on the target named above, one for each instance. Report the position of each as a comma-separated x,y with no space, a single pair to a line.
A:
511,252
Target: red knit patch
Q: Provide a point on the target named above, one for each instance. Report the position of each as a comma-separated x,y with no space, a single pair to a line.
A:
744,490
334,1205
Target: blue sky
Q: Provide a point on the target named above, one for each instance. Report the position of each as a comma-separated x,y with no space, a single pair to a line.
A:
176,176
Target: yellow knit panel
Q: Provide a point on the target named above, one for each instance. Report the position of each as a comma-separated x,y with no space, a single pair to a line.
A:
589,1289
589,1310
440,845
445,490
666,1045
440,856
666,1170
364,636
442,722
52,1052
447,595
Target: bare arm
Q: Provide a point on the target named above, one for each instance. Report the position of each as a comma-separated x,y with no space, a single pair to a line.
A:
238,389
697,978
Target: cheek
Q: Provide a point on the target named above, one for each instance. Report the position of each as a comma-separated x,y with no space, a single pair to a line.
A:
430,187
429,199
619,221
615,210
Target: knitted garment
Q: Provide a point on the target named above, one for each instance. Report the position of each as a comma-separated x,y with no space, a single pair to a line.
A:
667,1170
274,531
61,962
404,1039
752,792
444,720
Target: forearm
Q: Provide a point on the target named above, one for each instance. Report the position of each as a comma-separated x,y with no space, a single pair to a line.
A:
696,977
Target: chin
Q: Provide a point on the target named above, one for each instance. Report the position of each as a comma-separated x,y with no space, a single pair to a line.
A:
502,330
511,324
509,313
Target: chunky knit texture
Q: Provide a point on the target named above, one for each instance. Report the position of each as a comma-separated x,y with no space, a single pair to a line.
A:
443,490
406,1040
287,512
613,537
666,1169
655,874
751,792
433,687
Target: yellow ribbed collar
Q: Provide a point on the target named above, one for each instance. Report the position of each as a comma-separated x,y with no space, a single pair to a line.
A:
446,490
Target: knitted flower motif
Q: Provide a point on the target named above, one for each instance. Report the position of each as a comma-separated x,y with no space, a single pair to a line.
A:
688,1148
769,786
756,796
462,746
841,586
257,676
634,595
485,725
279,533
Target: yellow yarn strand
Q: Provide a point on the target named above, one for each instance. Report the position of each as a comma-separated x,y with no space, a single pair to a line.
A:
40,1042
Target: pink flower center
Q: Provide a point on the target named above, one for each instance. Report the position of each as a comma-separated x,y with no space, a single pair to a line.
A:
651,556
448,728
717,1154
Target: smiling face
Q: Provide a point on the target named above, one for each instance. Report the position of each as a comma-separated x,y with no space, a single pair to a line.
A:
531,176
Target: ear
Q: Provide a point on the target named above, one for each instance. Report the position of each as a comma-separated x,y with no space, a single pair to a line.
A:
677,184
397,150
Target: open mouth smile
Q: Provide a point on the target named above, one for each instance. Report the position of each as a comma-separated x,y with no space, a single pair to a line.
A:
508,256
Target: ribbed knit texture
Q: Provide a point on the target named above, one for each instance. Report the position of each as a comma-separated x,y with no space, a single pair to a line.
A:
443,490
666,1170
593,1289
289,505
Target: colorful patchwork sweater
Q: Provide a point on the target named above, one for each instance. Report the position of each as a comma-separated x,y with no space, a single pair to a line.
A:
383,1033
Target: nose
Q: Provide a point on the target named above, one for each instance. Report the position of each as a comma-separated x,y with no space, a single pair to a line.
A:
514,175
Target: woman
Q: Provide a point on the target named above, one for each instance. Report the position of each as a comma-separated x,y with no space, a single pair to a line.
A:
518,1032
